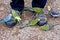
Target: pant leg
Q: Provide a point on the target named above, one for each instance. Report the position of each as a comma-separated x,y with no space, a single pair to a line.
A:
17,4
39,3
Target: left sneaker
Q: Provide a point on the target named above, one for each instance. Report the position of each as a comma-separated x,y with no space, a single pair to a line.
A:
15,15
11,23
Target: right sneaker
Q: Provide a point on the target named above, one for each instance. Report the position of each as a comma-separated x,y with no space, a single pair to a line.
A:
40,15
43,19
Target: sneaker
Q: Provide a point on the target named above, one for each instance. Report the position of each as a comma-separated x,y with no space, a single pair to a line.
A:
53,13
43,19
11,23
40,15
34,10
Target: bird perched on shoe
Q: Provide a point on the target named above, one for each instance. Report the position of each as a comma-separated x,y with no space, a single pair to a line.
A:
34,9
14,19
40,15
16,16
38,12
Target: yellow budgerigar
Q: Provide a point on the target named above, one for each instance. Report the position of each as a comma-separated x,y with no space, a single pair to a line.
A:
16,16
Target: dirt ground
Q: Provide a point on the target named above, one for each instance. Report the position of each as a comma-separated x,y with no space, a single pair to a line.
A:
31,33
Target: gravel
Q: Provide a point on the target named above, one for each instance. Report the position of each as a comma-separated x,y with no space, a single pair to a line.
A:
31,33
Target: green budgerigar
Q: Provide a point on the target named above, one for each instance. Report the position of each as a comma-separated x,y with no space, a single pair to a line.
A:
38,10
47,27
34,9
34,22
31,23
16,16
